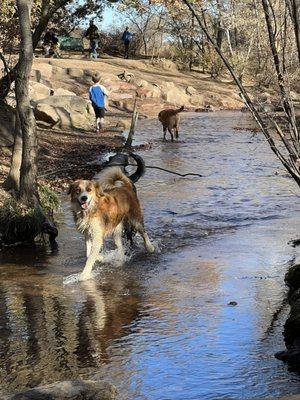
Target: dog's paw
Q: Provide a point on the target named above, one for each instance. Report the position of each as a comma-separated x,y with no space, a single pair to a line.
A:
84,277
150,248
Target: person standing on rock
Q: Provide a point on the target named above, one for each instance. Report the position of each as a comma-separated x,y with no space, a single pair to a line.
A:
126,37
92,34
97,96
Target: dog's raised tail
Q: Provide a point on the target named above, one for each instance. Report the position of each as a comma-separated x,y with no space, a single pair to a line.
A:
179,109
141,168
110,177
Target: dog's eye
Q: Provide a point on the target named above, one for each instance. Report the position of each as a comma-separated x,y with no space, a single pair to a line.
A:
88,189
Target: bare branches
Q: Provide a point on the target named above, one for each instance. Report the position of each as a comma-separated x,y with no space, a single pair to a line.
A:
289,160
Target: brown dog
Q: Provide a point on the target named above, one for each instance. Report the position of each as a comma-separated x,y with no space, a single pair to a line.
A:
170,120
102,208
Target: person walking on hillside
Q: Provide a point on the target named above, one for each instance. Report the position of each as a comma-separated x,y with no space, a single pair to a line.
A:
92,34
97,96
126,37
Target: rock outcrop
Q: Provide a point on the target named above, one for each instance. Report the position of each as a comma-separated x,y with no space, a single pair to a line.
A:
292,325
68,112
53,91
69,390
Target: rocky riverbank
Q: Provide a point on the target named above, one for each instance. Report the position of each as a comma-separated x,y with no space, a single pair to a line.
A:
65,117
292,325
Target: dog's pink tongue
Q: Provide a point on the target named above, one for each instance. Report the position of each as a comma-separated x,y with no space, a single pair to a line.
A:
84,205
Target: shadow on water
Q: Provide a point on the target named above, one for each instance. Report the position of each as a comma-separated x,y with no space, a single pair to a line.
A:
159,326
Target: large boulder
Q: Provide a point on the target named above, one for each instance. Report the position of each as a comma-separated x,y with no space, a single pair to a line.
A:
69,112
69,390
75,72
46,113
42,70
173,94
63,92
148,92
191,90
197,99
38,91
7,124
295,96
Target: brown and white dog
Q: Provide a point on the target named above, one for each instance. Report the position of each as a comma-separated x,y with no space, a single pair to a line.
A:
170,120
103,207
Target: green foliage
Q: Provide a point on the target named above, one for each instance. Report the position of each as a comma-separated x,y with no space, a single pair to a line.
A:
48,199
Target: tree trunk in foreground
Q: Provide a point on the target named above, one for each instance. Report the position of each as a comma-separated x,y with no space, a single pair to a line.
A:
13,179
28,172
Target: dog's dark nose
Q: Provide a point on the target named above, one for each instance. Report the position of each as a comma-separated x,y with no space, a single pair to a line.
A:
83,198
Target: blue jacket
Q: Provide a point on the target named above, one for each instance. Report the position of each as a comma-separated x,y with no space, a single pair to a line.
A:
127,36
97,95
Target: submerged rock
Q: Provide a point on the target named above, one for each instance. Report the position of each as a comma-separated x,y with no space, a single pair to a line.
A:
232,303
69,390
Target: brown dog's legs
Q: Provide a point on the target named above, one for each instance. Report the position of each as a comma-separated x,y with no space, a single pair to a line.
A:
165,132
176,132
171,133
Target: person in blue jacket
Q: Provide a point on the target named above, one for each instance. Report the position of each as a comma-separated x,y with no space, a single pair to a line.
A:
97,96
126,37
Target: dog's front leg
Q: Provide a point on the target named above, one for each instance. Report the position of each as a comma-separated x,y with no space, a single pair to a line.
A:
88,245
96,244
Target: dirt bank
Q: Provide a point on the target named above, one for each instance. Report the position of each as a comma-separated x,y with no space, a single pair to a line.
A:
64,156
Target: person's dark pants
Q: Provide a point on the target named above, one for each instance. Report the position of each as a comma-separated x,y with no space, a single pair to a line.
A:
126,45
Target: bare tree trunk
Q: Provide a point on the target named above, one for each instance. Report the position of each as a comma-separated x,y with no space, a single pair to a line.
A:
28,176
220,30
191,60
134,119
280,78
13,179
258,35
294,10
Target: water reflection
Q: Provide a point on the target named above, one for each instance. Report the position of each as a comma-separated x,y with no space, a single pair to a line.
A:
49,332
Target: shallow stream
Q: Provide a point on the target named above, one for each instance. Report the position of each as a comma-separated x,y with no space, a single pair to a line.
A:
159,326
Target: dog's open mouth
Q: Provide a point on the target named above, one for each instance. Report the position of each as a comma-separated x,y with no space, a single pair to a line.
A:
84,204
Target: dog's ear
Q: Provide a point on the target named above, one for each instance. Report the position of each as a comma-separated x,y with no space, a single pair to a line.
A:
98,189
72,186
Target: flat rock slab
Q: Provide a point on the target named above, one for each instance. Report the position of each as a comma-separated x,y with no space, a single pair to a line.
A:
69,390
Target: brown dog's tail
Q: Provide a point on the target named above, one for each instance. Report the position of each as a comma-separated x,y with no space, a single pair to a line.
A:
109,178
179,110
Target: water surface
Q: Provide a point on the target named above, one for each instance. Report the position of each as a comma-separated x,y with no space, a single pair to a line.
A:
159,326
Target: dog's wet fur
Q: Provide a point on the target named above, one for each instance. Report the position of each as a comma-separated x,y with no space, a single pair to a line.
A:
170,121
105,207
